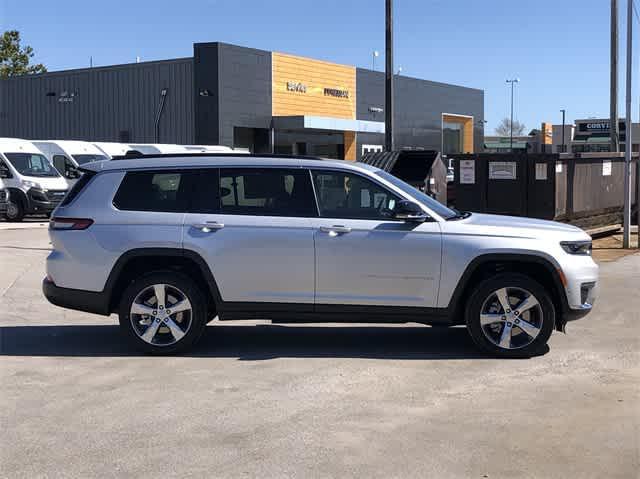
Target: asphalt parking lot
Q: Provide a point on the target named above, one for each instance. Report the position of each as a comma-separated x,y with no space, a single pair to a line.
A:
261,400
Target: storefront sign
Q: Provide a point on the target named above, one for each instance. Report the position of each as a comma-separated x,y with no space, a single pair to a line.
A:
467,172
541,171
336,93
296,86
606,167
602,126
502,170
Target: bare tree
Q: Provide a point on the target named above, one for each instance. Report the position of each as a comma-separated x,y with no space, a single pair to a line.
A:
504,128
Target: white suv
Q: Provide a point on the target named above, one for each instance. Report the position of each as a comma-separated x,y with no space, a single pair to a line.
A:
171,242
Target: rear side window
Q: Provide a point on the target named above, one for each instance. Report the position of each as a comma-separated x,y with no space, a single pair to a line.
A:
77,188
162,191
266,192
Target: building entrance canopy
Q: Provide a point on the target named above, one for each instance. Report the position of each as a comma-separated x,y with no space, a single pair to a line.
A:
306,122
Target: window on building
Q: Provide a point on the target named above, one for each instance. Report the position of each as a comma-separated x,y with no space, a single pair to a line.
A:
452,137
162,191
266,192
345,195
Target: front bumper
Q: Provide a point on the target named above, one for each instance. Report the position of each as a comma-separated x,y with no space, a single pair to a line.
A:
87,301
43,201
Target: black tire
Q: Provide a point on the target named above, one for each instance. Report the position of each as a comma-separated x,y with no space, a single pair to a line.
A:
15,212
542,316
175,282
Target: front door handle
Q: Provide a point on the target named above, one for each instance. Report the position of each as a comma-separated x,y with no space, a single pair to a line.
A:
208,226
335,229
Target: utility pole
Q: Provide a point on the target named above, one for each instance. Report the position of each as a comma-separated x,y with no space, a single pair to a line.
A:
388,111
613,117
563,113
626,223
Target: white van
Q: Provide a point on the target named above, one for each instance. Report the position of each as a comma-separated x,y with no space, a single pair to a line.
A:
209,149
4,198
67,155
112,149
159,148
35,186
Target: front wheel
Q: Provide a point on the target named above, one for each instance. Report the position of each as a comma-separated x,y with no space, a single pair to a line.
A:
510,316
163,313
15,211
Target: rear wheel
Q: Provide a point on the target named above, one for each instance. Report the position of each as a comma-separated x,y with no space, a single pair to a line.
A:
163,313
15,211
510,316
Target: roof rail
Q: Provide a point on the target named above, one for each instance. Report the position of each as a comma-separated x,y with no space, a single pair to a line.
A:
134,155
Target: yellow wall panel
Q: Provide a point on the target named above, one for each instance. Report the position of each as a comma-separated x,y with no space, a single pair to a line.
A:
298,87
350,145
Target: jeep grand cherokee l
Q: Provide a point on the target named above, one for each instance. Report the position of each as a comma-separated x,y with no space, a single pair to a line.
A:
170,242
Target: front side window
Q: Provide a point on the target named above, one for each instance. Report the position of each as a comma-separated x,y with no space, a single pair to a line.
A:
345,195
162,191
431,203
266,192
32,164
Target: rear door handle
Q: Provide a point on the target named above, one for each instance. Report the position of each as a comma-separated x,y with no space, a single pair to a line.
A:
208,226
335,229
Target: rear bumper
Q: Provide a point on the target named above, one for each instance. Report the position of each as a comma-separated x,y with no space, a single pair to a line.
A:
87,301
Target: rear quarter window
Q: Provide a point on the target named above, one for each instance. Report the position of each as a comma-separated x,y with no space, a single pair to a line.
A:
161,191
77,187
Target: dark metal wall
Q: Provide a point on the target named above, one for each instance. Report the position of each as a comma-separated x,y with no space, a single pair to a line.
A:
241,80
419,105
101,103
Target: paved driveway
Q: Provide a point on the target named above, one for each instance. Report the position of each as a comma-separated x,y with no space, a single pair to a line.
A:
260,400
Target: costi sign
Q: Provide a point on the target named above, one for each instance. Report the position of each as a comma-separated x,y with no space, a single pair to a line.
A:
596,126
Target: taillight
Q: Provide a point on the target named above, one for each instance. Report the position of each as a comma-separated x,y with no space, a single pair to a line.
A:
70,223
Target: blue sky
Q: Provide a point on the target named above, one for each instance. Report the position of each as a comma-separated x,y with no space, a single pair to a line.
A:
558,48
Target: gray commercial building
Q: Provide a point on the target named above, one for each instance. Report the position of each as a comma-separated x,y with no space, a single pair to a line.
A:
242,98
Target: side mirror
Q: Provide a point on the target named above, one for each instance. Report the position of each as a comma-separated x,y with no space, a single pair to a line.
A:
72,173
409,211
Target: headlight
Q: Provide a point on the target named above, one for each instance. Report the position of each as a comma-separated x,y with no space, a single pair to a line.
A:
31,184
577,247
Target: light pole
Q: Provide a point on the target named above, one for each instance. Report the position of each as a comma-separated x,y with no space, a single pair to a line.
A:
628,150
512,81
375,54
388,73
563,148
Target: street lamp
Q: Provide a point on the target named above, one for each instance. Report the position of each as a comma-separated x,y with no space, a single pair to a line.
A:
374,55
512,81
563,147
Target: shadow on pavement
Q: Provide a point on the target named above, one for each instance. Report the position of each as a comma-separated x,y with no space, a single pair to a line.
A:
253,343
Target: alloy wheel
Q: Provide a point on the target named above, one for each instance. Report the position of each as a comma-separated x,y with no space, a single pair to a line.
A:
511,318
161,314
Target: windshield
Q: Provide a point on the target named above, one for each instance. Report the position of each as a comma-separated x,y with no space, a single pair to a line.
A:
32,164
82,159
423,198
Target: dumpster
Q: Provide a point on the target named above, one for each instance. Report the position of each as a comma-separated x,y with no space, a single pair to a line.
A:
585,190
423,169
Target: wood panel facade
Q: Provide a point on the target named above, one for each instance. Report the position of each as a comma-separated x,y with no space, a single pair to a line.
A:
303,86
